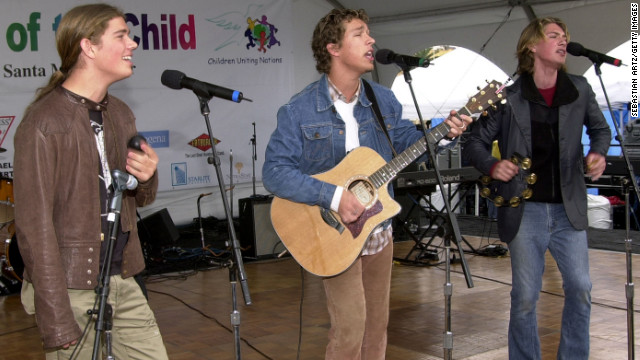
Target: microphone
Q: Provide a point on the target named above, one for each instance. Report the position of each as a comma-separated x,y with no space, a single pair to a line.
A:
136,141
123,180
386,56
177,80
576,49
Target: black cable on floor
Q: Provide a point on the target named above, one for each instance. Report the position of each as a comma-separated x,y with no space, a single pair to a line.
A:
212,318
17,330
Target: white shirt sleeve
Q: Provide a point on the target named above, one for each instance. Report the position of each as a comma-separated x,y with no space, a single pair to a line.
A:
337,196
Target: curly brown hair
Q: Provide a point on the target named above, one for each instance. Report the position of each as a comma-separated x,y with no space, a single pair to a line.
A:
531,35
330,30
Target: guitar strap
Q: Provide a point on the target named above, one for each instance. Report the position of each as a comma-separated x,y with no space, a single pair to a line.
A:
372,97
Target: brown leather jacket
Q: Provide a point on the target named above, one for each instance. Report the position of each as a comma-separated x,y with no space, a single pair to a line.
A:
57,203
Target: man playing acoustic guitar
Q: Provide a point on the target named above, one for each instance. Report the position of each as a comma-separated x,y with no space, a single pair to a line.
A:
315,131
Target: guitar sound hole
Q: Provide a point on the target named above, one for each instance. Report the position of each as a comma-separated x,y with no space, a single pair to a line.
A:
364,191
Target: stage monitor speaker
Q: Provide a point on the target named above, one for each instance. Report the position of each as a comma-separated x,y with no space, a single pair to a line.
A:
449,159
257,235
157,231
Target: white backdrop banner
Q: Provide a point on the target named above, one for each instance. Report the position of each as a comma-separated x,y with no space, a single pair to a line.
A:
242,45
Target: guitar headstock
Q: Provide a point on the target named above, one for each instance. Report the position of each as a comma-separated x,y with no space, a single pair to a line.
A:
480,102
489,96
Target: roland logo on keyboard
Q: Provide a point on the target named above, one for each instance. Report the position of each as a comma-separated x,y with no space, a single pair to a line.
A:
426,178
451,178
446,179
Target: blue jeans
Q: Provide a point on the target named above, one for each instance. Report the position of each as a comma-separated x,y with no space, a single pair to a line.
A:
546,226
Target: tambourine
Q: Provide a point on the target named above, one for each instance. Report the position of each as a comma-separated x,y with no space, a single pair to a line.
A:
490,186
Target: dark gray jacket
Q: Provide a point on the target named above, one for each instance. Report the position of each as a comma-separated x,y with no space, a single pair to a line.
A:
510,124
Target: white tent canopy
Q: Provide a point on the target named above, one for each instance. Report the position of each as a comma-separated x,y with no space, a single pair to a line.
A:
491,28
616,80
447,84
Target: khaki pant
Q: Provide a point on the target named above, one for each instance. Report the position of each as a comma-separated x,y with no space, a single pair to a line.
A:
358,304
134,334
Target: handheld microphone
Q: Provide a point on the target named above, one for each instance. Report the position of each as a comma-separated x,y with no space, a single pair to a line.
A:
386,56
123,180
177,80
576,49
136,141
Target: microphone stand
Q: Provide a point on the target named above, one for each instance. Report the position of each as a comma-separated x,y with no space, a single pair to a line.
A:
236,268
105,311
231,182
629,287
451,228
200,219
254,158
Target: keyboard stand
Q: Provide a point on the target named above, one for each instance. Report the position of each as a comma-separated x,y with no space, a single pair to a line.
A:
424,253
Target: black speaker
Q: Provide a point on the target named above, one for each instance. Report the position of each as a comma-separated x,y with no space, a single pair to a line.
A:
157,231
450,159
257,236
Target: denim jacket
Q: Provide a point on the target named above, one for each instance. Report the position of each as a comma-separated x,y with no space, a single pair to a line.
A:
310,138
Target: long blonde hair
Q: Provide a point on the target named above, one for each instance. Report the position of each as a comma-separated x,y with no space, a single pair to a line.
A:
82,22
531,35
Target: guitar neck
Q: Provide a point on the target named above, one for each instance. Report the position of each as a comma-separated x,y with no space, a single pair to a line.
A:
441,130
387,172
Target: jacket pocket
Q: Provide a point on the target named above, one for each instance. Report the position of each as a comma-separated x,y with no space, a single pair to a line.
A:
317,142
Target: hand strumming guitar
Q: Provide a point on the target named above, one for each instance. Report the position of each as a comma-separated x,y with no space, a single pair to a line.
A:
350,208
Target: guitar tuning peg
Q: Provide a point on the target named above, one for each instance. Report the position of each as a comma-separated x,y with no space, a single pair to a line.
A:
478,88
485,113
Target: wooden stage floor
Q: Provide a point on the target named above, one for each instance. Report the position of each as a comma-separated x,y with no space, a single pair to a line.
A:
193,311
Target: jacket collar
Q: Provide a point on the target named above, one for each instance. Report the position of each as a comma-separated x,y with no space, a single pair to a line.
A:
323,96
566,92
83,101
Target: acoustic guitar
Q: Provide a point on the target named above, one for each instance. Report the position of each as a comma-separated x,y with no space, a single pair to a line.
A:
316,237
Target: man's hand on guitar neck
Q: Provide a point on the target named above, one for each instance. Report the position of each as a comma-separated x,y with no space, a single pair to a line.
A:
457,124
350,208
